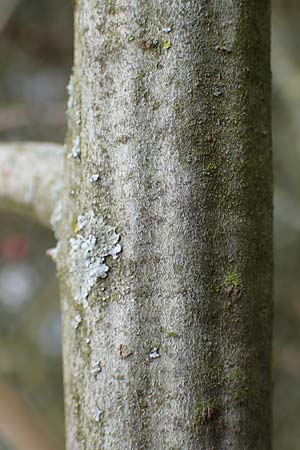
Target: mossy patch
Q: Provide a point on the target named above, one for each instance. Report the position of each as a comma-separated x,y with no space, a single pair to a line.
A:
233,279
172,334
233,284
210,168
205,413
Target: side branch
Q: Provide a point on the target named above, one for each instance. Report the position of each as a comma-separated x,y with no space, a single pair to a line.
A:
31,178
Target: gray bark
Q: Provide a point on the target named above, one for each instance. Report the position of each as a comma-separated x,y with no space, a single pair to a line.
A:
167,342
31,178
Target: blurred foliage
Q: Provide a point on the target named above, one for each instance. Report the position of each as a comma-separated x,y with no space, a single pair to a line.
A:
35,61
286,142
30,351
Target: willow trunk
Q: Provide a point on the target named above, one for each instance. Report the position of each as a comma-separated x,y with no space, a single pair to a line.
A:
165,227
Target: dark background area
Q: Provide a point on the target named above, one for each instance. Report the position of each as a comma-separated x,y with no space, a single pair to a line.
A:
35,64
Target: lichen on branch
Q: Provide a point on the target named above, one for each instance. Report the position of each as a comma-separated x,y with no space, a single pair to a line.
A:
88,253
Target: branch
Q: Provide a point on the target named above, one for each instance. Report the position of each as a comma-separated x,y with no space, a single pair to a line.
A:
31,178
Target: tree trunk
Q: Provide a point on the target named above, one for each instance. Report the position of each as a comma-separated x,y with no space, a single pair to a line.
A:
165,227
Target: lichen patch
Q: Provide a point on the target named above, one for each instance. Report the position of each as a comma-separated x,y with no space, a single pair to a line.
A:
76,321
75,150
94,242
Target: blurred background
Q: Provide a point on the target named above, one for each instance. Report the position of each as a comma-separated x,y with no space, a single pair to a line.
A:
35,62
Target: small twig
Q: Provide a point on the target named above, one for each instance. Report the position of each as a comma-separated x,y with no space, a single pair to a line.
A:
31,176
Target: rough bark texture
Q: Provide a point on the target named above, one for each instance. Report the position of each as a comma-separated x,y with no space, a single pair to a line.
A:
167,342
31,178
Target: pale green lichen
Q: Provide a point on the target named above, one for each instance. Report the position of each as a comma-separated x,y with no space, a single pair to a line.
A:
93,243
154,354
98,414
75,150
76,321
96,368
95,178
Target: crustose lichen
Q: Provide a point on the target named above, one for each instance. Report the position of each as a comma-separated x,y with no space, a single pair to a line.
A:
89,249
